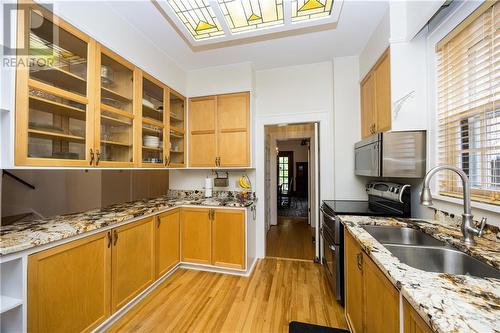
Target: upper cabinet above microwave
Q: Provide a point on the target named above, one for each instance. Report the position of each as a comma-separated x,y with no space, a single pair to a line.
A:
85,106
376,98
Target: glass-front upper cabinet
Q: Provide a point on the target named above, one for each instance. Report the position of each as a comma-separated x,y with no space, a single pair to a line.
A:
177,141
153,123
54,118
115,128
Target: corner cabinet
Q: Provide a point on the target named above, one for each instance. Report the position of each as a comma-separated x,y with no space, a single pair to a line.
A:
219,131
376,109
79,104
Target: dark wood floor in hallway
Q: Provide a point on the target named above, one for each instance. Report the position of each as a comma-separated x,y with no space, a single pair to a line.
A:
277,292
291,238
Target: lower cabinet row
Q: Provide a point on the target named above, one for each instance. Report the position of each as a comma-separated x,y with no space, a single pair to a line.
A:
372,302
75,286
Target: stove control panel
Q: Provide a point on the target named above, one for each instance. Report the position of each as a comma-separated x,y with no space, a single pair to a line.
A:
391,191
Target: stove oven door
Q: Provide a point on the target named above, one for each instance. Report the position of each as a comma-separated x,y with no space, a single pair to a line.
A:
330,261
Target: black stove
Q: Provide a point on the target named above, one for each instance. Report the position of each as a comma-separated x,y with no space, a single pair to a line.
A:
384,199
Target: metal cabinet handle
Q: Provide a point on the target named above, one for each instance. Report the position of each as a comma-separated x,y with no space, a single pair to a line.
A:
109,239
332,248
359,257
165,163
91,156
158,221
98,157
115,236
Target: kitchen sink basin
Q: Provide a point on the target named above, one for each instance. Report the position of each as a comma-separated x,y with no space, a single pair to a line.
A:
441,260
399,235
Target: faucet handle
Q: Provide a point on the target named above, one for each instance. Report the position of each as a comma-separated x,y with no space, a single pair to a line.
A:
482,224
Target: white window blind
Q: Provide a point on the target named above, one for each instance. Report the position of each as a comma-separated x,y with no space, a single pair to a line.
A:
468,104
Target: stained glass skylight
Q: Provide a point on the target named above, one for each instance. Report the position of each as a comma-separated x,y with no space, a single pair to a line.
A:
310,9
198,17
245,15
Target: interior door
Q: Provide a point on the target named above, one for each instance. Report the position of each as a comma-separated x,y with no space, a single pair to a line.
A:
301,179
202,126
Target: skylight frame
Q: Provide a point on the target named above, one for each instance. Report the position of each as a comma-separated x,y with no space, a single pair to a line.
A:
228,35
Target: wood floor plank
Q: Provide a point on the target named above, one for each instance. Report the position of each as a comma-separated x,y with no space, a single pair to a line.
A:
290,238
278,291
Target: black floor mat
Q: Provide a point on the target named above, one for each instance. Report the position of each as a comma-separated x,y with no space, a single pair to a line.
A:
297,327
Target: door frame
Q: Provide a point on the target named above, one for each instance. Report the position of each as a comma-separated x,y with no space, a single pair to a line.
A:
323,125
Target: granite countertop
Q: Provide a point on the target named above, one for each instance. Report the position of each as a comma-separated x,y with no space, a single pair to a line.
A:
447,302
23,235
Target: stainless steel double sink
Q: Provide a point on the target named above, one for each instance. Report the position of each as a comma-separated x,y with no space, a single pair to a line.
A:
420,250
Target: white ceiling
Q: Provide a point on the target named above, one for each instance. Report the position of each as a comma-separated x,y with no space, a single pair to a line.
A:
358,20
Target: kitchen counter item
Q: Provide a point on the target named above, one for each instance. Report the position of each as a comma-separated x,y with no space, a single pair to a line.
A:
209,187
107,75
441,299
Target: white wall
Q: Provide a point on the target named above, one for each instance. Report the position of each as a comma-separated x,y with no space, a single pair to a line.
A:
220,80
347,128
194,179
376,45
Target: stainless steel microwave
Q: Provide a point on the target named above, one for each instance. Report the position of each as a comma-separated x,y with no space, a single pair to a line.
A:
392,154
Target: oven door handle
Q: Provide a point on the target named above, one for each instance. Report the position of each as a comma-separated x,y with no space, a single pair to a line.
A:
326,214
332,248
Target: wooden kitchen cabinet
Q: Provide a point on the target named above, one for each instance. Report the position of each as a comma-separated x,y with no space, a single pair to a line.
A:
133,261
69,286
87,106
354,303
196,235
202,131
219,131
228,238
167,241
413,323
381,300
376,109
233,130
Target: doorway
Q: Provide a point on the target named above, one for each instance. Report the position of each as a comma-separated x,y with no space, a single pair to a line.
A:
291,231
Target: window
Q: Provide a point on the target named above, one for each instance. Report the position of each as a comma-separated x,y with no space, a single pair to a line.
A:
469,104
283,173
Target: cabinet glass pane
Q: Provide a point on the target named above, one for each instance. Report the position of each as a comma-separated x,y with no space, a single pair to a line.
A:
177,140
152,100
116,137
56,127
116,84
152,144
61,58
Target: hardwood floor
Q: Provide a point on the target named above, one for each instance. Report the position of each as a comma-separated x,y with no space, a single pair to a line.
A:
290,238
278,291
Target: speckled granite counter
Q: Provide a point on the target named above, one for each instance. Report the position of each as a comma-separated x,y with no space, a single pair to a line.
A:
21,236
448,303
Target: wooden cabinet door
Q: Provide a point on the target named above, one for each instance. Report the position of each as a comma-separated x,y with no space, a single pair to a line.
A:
381,300
383,93
133,264
202,126
228,238
167,242
196,236
353,284
368,114
69,286
413,323
233,131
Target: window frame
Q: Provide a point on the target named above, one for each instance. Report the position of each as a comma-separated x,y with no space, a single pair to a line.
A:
458,12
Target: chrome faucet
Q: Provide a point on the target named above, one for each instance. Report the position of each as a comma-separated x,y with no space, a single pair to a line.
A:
469,230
